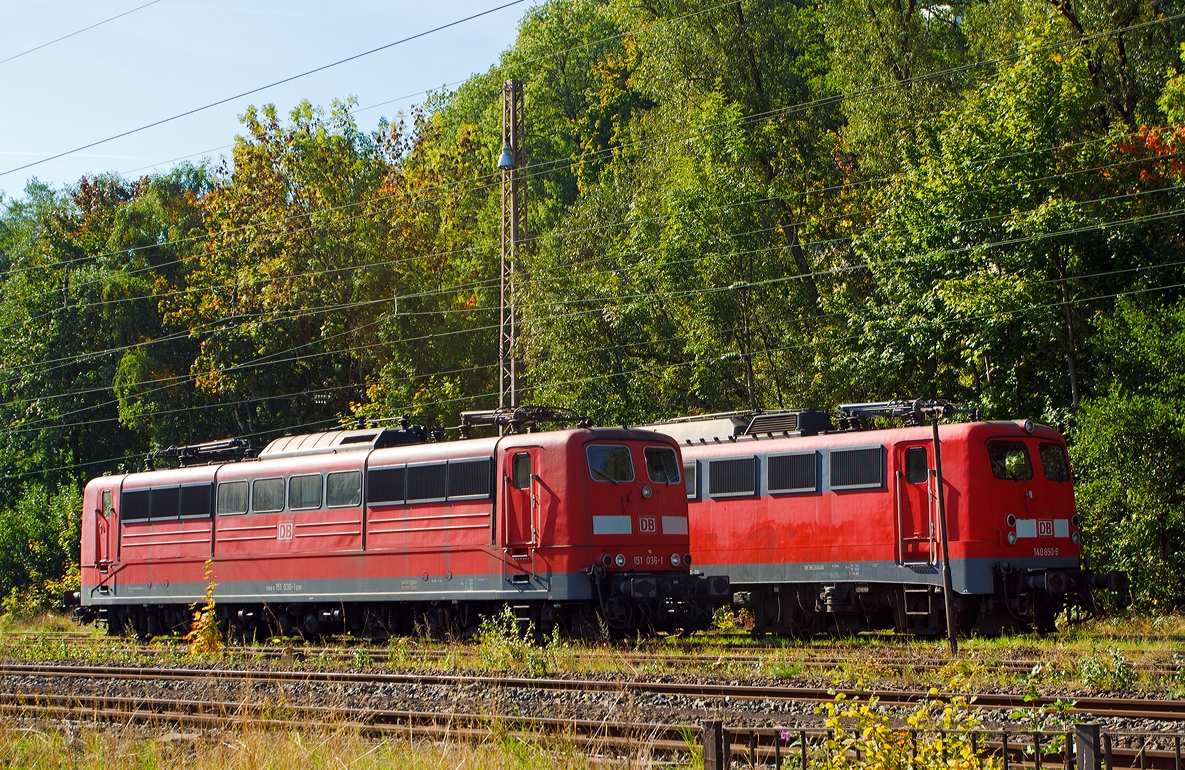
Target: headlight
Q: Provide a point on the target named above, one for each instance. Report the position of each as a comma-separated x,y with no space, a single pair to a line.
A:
647,492
1010,520
674,560
686,560
607,560
1074,538
1074,521
1011,538
620,560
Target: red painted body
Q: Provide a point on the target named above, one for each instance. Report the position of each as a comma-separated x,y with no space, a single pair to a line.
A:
869,555
528,540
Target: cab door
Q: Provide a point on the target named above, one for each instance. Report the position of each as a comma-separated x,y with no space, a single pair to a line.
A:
521,495
915,504
103,528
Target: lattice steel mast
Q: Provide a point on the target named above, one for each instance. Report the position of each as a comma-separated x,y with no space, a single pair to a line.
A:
514,228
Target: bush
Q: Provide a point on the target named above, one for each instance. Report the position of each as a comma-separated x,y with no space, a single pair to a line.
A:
39,542
1107,671
863,735
1129,454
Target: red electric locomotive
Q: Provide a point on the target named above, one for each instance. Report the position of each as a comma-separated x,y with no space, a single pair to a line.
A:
823,529
376,531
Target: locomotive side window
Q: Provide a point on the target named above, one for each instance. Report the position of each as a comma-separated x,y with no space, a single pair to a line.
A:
426,482
520,470
304,492
661,464
1053,462
857,468
385,485
691,477
469,479
107,503
135,504
1010,460
610,462
267,495
732,477
232,497
342,489
164,503
195,500
793,473
917,465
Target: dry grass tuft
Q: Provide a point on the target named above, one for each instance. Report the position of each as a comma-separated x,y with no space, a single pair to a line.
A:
46,746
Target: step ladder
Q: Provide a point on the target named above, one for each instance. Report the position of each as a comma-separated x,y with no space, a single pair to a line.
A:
918,606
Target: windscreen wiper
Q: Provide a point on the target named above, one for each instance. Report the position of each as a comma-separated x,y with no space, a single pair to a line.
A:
602,474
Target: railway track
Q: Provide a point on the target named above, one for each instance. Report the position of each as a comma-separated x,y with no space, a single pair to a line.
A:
893,661
759,747
596,734
1127,708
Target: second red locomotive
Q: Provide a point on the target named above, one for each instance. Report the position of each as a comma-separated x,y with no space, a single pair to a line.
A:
820,529
375,531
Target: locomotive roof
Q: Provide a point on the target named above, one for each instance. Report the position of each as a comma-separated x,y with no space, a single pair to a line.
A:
736,428
340,441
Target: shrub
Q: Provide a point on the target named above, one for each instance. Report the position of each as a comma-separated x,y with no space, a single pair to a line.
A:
39,537
1107,671
206,635
863,735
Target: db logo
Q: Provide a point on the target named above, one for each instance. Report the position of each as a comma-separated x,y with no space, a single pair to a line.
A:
284,530
647,525
1044,527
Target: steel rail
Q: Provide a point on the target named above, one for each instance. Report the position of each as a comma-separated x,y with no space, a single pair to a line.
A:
459,726
384,655
598,735
1133,708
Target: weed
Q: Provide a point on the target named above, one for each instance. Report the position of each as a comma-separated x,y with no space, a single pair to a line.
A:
1107,671
863,735
787,671
206,635
500,645
726,620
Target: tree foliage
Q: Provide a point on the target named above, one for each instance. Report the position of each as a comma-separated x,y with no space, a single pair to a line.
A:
743,204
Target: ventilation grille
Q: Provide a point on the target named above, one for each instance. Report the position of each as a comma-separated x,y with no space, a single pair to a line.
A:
794,473
732,477
384,485
773,423
469,479
857,468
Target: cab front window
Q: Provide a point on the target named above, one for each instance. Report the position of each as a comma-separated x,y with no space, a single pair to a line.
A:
661,465
1010,460
610,462
1053,462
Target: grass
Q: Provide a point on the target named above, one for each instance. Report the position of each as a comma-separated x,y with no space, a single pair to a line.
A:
45,745
1129,653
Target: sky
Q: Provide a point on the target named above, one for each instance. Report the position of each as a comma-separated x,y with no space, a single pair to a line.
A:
174,55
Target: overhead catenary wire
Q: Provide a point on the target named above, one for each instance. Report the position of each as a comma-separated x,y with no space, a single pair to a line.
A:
518,64
562,234
743,120
1012,241
273,84
540,275
549,304
78,31
42,368
141,456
